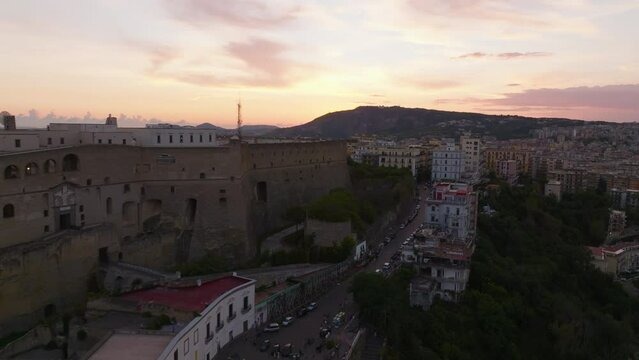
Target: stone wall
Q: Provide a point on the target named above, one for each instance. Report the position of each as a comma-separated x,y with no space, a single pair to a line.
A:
327,233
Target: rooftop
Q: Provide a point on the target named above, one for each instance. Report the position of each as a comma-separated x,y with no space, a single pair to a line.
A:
187,298
132,346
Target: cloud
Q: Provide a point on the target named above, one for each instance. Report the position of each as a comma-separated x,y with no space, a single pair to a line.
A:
608,103
241,13
34,119
513,84
504,55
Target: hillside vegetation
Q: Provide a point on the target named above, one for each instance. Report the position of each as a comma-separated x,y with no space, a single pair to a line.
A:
414,122
533,293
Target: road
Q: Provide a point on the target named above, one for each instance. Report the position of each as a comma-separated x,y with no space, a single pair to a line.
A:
335,300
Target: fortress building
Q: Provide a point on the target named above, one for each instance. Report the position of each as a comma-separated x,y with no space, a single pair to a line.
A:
77,197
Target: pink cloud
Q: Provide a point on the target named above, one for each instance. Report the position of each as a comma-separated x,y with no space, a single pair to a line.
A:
243,13
503,56
608,103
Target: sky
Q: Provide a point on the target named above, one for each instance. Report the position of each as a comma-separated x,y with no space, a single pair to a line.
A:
190,61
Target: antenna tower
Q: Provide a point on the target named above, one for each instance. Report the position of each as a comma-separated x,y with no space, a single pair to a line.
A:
239,119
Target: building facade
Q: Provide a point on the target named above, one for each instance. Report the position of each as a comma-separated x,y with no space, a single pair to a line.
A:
471,148
70,205
447,162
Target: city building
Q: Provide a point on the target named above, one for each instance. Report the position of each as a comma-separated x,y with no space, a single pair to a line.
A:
624,198
508,170
413,158
553,188
521,156
211,315
442,251
447,162
572,180
616,223
617,259
97,195
471,148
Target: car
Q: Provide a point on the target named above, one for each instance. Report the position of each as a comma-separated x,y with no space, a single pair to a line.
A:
402,226
302,311
405,243
265,345
312,306
324,333
272,327
287,321
338,319
386,266
378,271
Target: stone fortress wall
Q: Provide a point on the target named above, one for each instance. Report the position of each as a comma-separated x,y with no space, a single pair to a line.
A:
67,210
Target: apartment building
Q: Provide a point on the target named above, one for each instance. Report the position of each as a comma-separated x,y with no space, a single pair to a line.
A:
447,162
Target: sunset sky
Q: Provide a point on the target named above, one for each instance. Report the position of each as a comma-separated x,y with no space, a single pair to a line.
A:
291,61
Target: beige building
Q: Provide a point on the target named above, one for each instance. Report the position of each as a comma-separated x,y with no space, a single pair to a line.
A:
508,169
72,204
414,158
494,155
471,147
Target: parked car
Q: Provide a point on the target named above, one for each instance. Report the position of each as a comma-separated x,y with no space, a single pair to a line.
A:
287,321
338,319
312,306
265,345
272,327
302,311
378,271
324,333
386,266
402,226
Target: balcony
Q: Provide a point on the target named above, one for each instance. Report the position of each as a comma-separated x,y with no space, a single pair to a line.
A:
232,316
246,309
219,326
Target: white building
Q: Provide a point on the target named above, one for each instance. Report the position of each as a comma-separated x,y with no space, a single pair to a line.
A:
508,170
471,148
62,134
224,309
447,162
452,207
553,188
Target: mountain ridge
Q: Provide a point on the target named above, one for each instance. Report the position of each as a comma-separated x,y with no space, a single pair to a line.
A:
403,122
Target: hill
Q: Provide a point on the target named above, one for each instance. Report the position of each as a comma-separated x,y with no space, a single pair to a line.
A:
415,122
248,130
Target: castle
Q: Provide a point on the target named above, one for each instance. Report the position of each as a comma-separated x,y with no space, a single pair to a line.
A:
75,197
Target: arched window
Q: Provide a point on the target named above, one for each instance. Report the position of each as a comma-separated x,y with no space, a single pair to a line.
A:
8,211
11,172
31,169
70,162
49,166
109,206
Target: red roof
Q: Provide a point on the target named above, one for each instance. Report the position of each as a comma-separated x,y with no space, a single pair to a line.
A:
191,298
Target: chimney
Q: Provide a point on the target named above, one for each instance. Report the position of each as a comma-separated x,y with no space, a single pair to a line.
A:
112,120
8,120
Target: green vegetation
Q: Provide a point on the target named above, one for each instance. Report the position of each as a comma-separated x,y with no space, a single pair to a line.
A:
533,293
306,252
82,334
157,322
4,341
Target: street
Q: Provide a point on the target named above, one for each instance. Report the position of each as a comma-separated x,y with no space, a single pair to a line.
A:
335,300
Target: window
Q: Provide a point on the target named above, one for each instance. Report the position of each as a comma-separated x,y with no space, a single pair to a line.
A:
175,355
223,200
45,213
89,181
191,137
219,321
109,206
46,228
126,188
208,330
159,139
231,310
261,191
172,189
196,336
11,172
99,141
81,208
210,137
171,139
82,217
222,191
123,141
8,211
246,303
202,175
181,138
186,346
49,141
110,141
31,169
70,162
18,143
200,137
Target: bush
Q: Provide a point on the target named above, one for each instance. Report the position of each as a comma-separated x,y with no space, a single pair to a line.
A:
82,334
